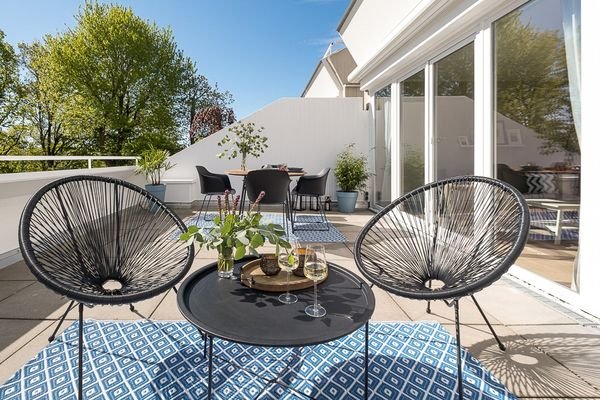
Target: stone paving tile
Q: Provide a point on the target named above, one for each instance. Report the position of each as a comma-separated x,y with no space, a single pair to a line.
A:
8,288
529,372
17,333
33,302
17,271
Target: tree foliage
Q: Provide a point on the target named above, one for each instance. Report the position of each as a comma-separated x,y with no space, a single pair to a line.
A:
114,84
209,120
10,91
533,84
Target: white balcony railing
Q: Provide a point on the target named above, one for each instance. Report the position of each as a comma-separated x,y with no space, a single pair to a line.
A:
68,158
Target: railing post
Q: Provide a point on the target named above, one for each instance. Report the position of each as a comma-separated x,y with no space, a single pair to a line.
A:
89,162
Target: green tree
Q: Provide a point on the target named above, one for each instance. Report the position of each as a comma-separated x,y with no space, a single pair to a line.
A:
52,112
128,72
197,95
10,97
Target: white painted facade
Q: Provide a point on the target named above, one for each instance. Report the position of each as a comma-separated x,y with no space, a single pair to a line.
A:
390,41
302,132
324,84
18,188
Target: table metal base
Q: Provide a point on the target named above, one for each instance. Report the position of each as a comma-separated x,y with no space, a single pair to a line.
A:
210,363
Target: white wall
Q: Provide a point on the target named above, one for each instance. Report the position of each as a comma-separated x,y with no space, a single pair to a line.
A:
324,84
17,189
368,26
302,132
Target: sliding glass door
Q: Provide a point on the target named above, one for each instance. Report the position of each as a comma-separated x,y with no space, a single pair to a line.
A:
412,132
454,110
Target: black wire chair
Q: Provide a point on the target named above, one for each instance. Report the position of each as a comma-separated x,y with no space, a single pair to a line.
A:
444,241
313,186
211,184
276,185
99,240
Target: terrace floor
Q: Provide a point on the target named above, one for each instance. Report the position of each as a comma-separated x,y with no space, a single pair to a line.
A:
551,352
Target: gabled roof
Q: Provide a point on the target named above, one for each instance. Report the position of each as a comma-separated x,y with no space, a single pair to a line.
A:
340,63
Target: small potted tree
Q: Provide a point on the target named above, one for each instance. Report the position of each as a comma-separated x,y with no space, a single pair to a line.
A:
351,174
248,142
152,164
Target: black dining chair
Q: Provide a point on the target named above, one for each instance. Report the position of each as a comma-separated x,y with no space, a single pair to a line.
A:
313,187
211,184
276,185
98,241
444,241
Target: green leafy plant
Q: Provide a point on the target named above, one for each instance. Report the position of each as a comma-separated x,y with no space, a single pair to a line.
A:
351,170
235,234
248,141
153,163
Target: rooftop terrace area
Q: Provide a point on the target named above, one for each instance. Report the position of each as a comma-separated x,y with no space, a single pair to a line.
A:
551,352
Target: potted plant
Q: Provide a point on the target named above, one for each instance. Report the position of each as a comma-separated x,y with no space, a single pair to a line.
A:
152,163
233,235
247,142
351,174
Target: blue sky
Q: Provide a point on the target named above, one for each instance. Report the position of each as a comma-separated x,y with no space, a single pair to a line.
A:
259,50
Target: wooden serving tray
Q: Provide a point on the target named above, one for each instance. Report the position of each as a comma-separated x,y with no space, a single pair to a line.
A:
252,276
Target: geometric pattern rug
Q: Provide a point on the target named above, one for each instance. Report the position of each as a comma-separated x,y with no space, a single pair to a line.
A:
307,225
164,360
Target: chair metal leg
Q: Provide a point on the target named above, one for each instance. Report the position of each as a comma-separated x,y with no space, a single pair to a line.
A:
69,308
210,366
429,302
500,344
367,360
80,362
458,351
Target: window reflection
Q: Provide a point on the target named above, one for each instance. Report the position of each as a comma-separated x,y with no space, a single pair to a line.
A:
454,114
412,131
537,134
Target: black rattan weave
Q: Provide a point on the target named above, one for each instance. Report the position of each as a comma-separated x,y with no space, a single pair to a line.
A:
99,240
444,241
78,232
464,231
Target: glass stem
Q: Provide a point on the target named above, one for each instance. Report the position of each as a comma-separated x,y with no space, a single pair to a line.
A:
287,285
315,306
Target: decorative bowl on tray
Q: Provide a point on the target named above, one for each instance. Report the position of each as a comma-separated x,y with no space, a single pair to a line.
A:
252,275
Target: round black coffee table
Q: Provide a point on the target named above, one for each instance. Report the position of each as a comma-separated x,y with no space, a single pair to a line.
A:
228,310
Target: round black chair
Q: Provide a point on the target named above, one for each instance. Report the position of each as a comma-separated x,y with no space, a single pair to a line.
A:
211,184
276,185
99,240
313,186
444,241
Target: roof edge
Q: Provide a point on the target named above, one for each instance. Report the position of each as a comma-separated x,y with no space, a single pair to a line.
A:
346,15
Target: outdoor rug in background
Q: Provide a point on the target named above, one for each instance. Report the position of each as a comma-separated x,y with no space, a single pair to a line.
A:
164,360
305,222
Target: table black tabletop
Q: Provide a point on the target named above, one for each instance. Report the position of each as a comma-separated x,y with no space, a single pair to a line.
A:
227,309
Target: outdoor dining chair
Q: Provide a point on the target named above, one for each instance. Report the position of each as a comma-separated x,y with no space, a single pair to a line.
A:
444,241
102,241
276,185
313,186
211,184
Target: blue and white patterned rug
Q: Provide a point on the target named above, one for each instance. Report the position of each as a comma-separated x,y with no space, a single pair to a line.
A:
164,360
307,225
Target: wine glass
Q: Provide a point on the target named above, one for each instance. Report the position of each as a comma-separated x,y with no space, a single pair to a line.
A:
288,260
315,268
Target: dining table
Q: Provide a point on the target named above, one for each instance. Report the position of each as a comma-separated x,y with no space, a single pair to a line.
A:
295,172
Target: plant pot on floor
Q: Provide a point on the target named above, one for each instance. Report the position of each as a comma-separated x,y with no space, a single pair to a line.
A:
157,190
346,201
